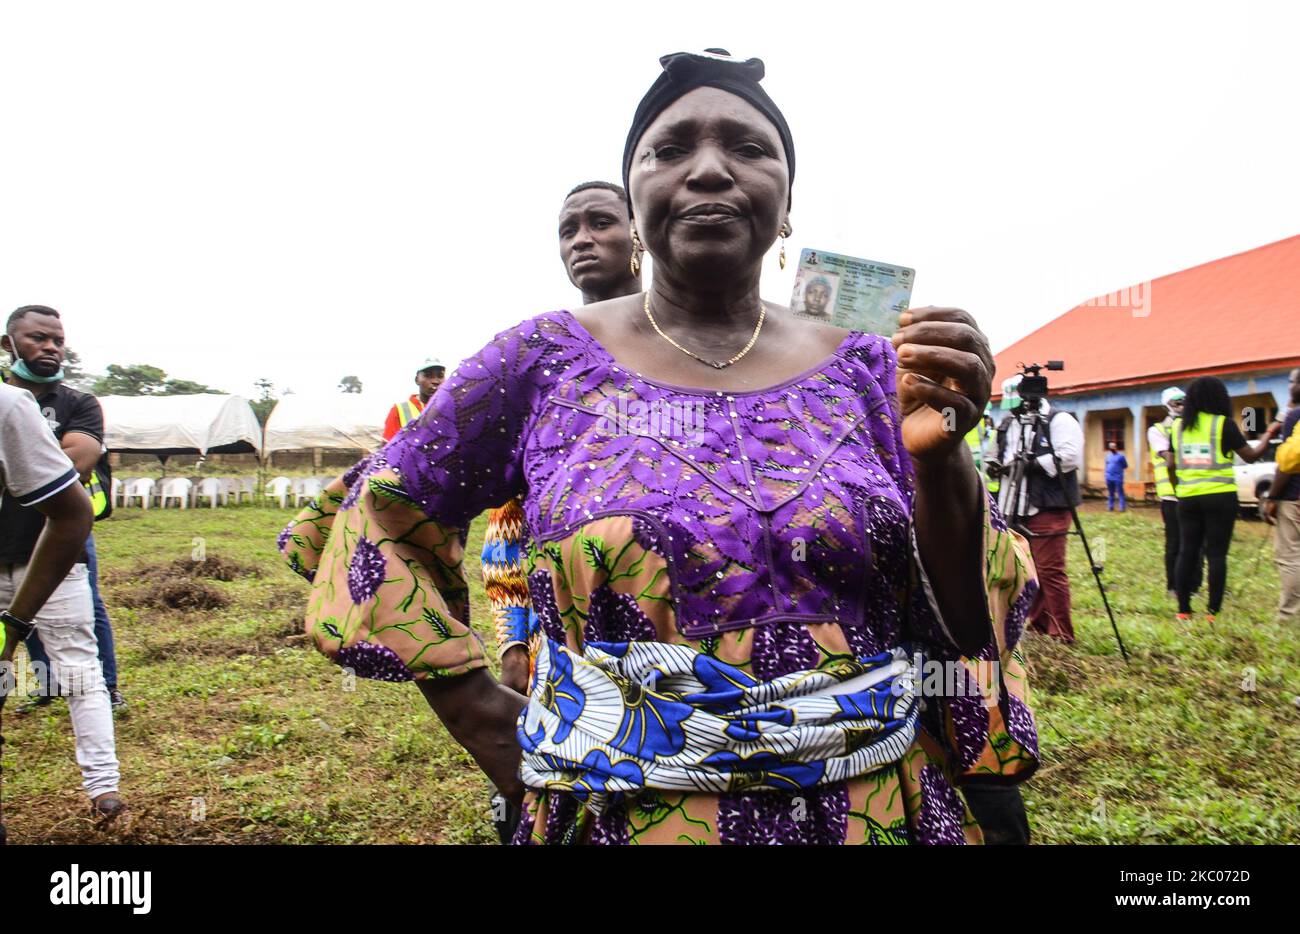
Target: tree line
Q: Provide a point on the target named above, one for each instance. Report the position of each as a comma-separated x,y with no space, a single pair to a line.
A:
143,379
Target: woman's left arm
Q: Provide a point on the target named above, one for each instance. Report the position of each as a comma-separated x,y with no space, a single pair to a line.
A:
944,379
1251,453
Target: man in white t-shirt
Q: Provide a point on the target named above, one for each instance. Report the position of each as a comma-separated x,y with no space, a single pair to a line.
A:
47,591
1161,452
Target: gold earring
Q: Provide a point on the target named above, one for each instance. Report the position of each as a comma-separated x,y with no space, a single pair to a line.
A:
635,262
785,232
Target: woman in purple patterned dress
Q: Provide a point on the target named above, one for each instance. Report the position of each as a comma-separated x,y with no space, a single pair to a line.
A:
748,531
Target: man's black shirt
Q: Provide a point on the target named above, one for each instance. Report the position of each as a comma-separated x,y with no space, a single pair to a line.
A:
66,410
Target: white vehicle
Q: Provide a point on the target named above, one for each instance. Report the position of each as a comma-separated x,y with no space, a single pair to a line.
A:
1253,480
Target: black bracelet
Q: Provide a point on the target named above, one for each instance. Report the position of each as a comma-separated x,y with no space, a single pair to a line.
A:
24,628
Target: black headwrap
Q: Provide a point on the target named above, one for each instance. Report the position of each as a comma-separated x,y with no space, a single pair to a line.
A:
686,71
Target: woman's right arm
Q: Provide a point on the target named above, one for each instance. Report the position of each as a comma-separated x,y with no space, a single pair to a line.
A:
481,713
389,602
384,549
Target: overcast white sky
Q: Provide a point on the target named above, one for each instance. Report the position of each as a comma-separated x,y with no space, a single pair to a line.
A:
306,190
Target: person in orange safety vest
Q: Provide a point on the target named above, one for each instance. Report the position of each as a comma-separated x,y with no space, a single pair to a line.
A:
427,379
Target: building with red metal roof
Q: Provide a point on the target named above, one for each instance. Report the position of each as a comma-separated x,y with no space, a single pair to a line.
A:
1237,318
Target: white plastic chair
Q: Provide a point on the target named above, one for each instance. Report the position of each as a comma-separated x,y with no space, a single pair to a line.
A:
229,489
279,489
236,488
115,491
141,489
306,490
124,489
211,489
177,488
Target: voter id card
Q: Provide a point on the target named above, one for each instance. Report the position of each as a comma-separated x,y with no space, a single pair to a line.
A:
851,292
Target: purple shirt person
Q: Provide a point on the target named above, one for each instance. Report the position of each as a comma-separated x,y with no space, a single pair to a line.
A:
790,507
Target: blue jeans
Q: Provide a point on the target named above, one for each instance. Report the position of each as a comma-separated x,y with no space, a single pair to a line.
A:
1115,488
103,629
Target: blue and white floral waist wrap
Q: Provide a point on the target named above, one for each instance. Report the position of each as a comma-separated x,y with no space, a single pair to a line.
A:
622,717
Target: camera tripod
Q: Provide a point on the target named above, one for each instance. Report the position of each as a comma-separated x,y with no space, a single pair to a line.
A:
1032,425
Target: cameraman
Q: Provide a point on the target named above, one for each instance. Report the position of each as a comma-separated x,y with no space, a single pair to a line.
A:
1044,500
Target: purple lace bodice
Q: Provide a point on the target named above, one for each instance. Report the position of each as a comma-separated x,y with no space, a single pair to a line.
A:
766,505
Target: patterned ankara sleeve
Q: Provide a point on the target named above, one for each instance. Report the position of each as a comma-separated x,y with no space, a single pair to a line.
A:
388,599
505,579
384,545
984,725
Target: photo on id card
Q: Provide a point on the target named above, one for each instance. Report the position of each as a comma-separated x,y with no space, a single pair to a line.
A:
851,292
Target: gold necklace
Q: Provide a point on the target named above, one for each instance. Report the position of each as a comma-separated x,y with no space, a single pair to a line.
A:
717,365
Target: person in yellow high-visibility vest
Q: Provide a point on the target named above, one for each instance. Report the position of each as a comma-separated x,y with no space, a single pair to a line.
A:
428,378
993,482
982,441
1160,450
1203,440
975,441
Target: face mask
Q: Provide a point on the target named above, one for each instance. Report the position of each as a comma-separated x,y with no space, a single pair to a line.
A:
21,370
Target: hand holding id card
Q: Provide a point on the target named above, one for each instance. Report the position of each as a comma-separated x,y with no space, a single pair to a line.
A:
850,292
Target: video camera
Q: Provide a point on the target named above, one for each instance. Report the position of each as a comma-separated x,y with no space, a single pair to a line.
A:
1030,393
1033,385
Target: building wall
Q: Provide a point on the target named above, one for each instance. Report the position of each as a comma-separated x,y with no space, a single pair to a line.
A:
1256,397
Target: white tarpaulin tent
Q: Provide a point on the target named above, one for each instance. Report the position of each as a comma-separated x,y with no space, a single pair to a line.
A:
164,425
336,420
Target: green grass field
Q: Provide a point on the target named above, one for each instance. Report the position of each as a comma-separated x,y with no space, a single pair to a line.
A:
238,732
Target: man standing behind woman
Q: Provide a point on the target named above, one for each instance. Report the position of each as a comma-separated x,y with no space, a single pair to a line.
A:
602,262
1204,440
